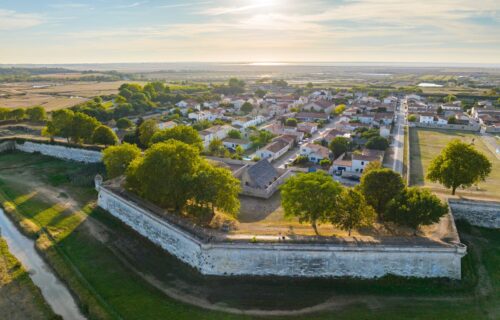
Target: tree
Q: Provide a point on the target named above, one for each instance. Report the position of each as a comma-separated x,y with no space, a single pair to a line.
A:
459,165
82,127
36,114
262,138
62,121
216,148
234,134
439,110
164,175
117,158
182,133
412,118
352,211
339,109
339,145
17,114
217,188
310,196
260,93
309,85
452,120
124,123
415,207
246,107
49,131
146,131
104,135
377,143
372,165
291,122
380,186
325,163
449,98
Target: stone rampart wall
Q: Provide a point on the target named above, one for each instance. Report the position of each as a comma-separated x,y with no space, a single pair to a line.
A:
226,257
479,213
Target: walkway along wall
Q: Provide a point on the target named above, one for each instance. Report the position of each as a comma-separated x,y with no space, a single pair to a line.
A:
307,259
54,150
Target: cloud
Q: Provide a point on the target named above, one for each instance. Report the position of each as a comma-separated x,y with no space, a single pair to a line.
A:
217,11
69,5
12,20
184,4
133,5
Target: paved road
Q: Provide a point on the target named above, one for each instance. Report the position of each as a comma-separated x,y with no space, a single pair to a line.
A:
399,139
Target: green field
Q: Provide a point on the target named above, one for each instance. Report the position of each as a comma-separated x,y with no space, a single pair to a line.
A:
426,144
117,274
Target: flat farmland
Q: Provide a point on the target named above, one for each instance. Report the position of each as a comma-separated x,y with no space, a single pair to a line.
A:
426,144
53,96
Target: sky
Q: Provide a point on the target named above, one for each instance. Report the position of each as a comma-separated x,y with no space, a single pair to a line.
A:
107,31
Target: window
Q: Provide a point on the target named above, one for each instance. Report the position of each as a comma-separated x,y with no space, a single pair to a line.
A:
362,163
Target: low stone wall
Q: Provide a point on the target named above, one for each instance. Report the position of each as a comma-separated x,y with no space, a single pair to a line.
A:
224,257
53,150
463,127
479,213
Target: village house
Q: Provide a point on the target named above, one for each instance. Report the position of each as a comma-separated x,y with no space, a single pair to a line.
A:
331,134
390,100
232,144
315,152
312,116
324,106
166,125
273,150
261,179
245,122
355,162
426,117
307,127
215,132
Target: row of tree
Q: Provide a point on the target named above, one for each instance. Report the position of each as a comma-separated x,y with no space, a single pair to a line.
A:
173,175
79,128
34,114
317,198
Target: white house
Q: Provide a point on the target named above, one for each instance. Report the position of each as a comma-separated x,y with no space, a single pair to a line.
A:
307,127
319,106
233,143
390,100
385,131
356,162
215,132
245,122
314,152
426,117
273,150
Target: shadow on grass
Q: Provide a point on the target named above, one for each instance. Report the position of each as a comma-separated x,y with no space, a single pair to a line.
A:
416,167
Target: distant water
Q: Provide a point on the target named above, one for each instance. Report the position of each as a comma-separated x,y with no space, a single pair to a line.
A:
429,85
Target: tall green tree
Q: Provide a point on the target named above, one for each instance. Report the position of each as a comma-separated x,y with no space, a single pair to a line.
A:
118,158
380,186
36,114
124,123
146,131
216,148
82,128
377,143
104,135
165,174
339,145
352,211
415,207
62,121
181,133
215,187
246,107
234,134
261,138
311,197
17,114
459,165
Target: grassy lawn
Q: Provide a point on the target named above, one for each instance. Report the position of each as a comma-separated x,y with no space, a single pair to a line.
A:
427,144
106,264
19,297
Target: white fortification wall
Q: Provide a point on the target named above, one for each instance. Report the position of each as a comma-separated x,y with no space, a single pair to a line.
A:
54,150
285,259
